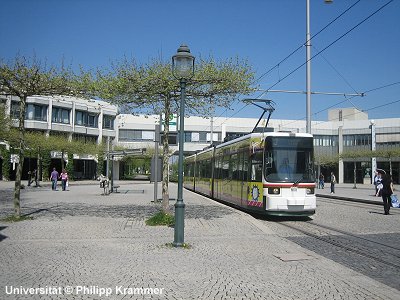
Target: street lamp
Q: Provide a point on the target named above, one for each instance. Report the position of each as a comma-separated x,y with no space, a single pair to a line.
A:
183,70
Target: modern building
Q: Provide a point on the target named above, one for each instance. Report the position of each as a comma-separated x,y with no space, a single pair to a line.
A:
346,129
81,119
92,120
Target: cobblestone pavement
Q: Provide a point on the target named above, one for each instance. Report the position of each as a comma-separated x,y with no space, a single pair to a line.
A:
81,239
356,235
347,191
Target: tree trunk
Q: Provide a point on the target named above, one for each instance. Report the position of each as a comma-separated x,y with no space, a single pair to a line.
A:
355,176
39,167
165,179
21,127
62,161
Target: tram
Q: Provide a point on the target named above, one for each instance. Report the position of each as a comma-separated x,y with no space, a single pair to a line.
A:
267,173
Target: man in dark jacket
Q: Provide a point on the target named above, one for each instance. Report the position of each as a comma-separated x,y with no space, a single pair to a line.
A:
387,191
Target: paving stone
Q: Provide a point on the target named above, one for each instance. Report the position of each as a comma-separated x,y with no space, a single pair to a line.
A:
79,238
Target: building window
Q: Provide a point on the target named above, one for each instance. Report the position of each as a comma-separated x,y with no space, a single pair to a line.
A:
84,118
14,113
60,115
131,135
188,136
108,122
201,137
92,120
325,140
87,139
36,112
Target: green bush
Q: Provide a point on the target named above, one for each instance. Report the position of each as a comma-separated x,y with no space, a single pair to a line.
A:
161,219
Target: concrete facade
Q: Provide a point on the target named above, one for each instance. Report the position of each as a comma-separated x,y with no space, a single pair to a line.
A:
346,129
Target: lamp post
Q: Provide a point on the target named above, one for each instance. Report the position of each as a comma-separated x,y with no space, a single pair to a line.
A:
183,70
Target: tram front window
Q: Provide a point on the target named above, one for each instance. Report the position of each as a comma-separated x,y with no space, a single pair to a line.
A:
288,159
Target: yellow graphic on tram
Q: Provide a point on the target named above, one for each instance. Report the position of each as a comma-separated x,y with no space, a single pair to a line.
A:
255,195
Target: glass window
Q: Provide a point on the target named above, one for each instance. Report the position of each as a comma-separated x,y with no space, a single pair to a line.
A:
288,159
135,135
14,110
203,137
188,136
108,122
60,115
36,112
84,118
92,120
80,118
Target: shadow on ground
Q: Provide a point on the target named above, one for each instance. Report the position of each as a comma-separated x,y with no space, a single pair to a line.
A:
60,210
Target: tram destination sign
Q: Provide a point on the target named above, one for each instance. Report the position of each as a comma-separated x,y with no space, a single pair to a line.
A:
291,142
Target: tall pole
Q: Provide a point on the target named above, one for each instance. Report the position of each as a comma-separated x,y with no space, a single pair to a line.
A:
155,169
108,158
373,148
179,205
308,70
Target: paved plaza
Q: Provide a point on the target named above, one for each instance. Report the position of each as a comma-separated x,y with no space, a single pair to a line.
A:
82,245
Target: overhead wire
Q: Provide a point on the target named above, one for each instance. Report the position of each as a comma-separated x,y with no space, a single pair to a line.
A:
337,72
288,56
331,106
315,55
302,45
329,45
293,52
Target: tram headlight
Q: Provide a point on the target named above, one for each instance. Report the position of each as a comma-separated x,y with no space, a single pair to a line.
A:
274,191
310,191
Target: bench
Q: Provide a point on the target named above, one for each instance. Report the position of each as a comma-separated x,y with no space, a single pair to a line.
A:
115,188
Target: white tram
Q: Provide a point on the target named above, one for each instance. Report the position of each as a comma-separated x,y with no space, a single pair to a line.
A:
268,173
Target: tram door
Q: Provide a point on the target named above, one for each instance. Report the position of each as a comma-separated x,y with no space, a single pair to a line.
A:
243,161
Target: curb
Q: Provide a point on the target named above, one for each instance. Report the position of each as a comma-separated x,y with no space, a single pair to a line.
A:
349,199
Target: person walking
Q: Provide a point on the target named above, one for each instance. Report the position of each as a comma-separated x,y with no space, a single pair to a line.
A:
29,178
387,191
35,177
321,181
378,183
333,182
64,179
54,177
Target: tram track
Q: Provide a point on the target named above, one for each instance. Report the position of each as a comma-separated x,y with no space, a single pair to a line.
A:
346,243
354,234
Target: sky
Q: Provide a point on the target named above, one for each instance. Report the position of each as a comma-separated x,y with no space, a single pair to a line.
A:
92,33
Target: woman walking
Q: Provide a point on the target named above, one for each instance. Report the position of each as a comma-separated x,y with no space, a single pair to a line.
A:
64,179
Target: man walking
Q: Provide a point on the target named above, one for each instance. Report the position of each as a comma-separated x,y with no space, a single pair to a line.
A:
53,177
333,182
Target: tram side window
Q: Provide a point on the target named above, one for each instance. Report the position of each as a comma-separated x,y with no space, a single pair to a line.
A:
256,167
245,166
205,169
188,169
225,167
217,167
235,166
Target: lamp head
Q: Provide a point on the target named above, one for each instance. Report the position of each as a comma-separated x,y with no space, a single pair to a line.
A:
183,63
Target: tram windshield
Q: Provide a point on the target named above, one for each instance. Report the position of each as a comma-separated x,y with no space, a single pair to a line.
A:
288,159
